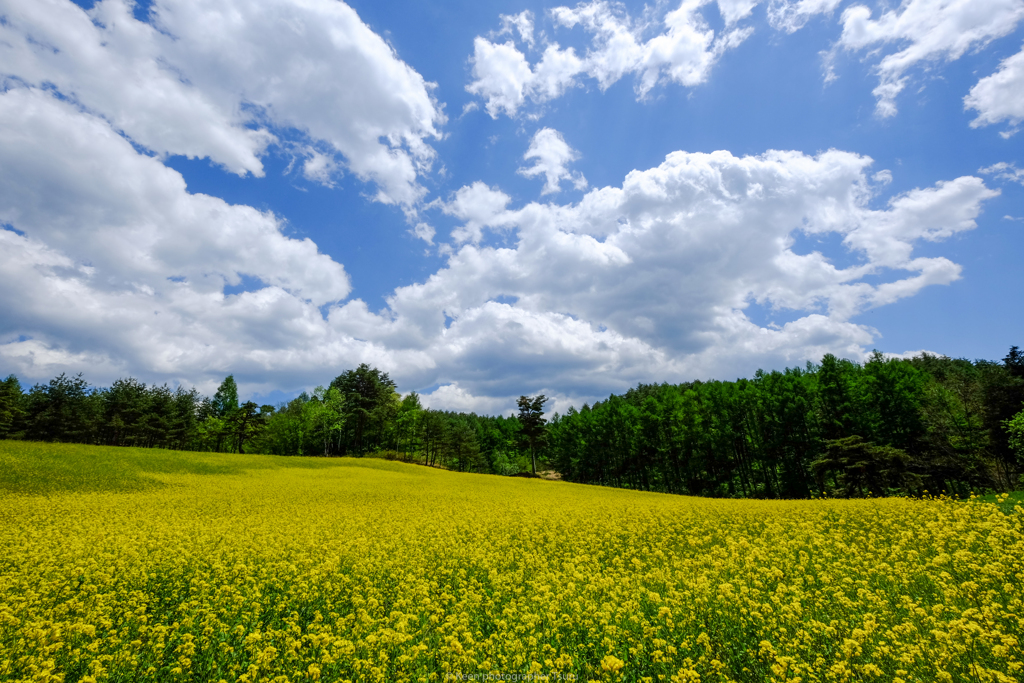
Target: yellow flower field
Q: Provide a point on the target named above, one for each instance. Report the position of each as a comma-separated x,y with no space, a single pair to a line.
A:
246,568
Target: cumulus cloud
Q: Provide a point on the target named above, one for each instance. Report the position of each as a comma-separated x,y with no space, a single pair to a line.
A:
72,183
455,398
931,31
552,155
502,76
119,267
683,52
109,264
225,79
477,205
115,258
653,280
684,49
1000,97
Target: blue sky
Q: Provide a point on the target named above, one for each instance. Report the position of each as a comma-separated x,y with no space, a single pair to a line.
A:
495,199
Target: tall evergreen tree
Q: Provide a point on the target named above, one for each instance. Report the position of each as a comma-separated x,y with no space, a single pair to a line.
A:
1014,362
892,390
124,407
835,397
12,411
63,410
531,420
225,401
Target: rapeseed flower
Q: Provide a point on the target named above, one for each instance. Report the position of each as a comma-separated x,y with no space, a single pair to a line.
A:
391,572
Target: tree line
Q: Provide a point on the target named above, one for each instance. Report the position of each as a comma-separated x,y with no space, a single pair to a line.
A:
838,428
360,412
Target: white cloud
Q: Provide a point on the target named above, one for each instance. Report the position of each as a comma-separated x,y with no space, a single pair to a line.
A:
424,231
110,63
552,155
114,268
117,261
501,75
652,280
320,168
522,23
121,269
684,52
1004,171
455,398
553,75
788,16
71,182
1000,97
225,79
685,49
907,355
930,30
734,10
615,50
477,205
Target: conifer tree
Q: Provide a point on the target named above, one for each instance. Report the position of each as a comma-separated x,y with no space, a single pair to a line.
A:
225,401
531,419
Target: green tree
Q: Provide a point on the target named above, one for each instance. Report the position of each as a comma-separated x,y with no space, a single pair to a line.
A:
956,451
1014,362
891,394
246,424
369,396
159,416
862,468
211,432
124,405
284,433
12,411
382,428
407,424
835,397
1015,429
1003,395
531,421
788,434
64,410
185,421
323,418
225,401
432,434
462,446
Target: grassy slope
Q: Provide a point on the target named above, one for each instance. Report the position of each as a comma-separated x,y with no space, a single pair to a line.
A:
48,468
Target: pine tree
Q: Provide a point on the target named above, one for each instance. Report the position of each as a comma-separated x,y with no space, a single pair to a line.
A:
531,420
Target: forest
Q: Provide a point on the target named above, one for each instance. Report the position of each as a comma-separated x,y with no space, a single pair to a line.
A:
888,426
